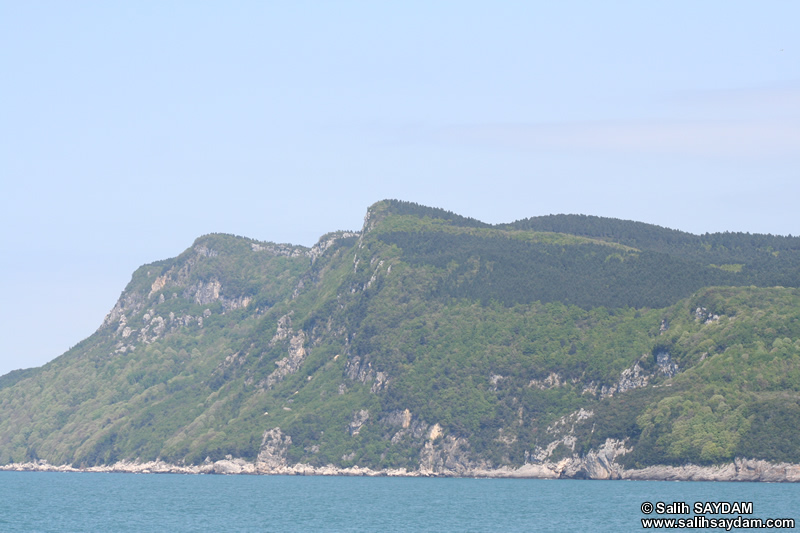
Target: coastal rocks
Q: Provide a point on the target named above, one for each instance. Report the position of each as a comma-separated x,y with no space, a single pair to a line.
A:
229,465
301,469
447,456
528,471
130,467
756,470
596,465
272,454
739,470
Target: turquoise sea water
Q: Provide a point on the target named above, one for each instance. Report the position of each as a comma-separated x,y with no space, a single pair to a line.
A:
67,502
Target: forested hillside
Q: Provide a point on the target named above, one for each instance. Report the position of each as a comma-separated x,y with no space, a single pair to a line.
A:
434,342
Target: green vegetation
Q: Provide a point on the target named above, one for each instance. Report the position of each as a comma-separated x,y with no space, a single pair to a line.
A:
687,346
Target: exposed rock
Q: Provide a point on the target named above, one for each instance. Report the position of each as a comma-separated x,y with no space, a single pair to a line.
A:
129,304
326,241
151,331
598,464
361,370
356,370
374,275
739,470
542,455
567,422
506,438
632,378
234,466
381,380
289,364
234,359
204,293
400,419
360,417
447,456
272,453
635,377
158,284
180,277
701,314
284,329
285,250
534,471
450,459
236,303
552,381
665,364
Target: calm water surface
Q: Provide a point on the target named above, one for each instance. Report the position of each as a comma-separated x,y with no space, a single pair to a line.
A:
66,502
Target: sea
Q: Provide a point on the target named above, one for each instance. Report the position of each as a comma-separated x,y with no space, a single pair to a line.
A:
94,502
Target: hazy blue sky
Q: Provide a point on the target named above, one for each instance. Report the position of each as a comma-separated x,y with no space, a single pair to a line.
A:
128,129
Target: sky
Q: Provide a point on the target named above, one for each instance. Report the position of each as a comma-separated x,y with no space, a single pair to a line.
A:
129,129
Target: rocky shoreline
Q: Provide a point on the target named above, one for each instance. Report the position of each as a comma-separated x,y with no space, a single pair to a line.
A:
448,461
573,468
